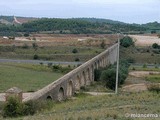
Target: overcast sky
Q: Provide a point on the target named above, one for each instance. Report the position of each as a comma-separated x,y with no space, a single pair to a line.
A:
130,11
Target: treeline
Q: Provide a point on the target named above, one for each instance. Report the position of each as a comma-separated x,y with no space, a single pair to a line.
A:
71,26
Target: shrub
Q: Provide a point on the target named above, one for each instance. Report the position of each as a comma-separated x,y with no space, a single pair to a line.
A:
103,44
13,108
49,64
35,46
74,50
30,108
26,35
126,41
144,66
108,75
35,57
155,46
77,59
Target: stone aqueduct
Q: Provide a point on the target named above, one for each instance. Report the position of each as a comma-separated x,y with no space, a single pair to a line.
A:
83,75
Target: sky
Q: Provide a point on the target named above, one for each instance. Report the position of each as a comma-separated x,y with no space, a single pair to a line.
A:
129,11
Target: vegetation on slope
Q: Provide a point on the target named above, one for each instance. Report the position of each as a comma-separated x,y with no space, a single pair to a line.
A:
75,26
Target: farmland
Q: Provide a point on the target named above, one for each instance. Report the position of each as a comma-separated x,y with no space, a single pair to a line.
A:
49,47
27,77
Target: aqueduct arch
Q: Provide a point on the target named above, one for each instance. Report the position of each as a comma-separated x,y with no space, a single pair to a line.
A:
78,83
69,89
60,96
65,86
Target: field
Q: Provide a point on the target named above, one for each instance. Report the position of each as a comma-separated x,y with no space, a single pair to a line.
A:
131,100
142,55
145,40
105,107
55,47
26,77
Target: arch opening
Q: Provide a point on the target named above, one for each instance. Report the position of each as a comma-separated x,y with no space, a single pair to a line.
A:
69,89
78,83
61,94
49,97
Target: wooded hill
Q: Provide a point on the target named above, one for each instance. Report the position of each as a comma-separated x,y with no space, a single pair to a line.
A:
74,26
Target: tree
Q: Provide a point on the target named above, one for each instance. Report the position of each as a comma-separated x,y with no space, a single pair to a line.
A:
155,46
103,44
126,41
35,57
35,46
26,35
74,50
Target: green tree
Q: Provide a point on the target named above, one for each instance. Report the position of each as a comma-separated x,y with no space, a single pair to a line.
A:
35,46
103,44
74,50
155,46
126,41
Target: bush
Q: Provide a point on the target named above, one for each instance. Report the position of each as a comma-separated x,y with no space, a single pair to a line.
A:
108,74
77,59
126,41
109,77
35,46
35,57
74,50
103,44
144,66
30,108
155,46
49,65
13,108
26,35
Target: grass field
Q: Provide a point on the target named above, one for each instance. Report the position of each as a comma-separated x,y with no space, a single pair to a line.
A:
140,55
108,107
153,78
56,53
26,77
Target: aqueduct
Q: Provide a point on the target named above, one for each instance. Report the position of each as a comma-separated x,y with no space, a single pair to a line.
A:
83,75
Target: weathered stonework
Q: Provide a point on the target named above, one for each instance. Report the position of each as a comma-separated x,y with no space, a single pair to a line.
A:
83,75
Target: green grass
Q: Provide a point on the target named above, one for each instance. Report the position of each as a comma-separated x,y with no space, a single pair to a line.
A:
139,56
107,107
153,78
141,68
56,53
26,78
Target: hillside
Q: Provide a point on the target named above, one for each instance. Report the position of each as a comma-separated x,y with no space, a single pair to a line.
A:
100,20
8,20
11,24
